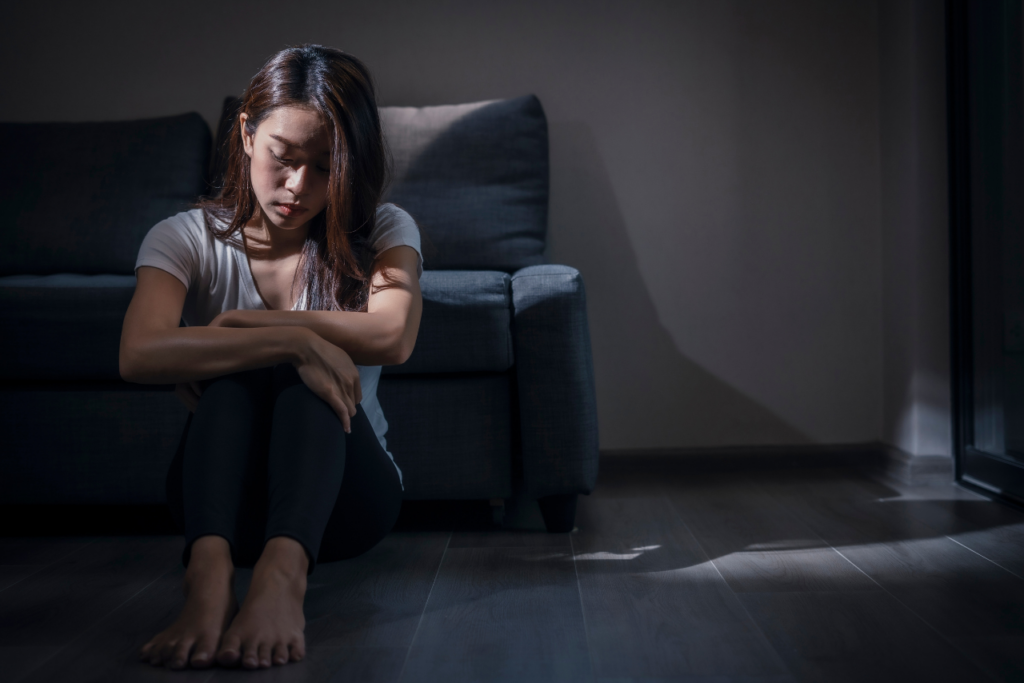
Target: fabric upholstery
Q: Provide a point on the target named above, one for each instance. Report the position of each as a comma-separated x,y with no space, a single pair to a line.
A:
502,363
466,325
475,177
68,327
87,446
79,197
62,327
451,435
557,403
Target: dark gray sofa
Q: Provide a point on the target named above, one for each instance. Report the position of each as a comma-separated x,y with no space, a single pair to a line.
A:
498,395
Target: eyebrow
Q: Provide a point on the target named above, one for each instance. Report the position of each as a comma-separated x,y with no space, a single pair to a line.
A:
289,143
285,141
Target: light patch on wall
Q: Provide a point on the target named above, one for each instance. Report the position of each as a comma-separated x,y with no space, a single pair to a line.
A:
924,421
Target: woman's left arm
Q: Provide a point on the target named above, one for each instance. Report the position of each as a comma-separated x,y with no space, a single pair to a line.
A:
384,335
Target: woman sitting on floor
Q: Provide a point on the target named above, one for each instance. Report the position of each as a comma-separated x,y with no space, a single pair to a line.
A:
296,285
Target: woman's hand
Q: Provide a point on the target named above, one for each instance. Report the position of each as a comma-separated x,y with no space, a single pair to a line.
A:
189,393
330,374
223,320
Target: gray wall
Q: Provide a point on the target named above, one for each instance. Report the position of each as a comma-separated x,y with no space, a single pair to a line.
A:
716,173
915,228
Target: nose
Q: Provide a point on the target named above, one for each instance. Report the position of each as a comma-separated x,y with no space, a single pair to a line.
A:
297,180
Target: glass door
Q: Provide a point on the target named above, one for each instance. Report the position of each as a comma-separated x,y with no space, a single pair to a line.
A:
986,123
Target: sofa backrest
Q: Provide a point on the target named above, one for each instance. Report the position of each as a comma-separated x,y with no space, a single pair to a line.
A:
475,178
80,197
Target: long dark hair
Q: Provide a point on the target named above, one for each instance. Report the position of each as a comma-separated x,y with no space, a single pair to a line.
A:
337,258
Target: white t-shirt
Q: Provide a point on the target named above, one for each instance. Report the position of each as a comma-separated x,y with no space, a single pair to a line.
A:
217,276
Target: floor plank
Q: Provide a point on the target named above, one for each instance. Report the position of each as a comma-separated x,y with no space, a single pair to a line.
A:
757,545
784,678
654,605
41,550
674,575
837,637
362,613
501,614
991,529
1002,658
109,650
11,574
52,607
951,587
376,599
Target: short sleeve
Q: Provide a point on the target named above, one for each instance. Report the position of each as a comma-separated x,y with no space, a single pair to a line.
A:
396,228
172,246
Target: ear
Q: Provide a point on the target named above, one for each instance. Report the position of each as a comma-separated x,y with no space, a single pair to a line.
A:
247,140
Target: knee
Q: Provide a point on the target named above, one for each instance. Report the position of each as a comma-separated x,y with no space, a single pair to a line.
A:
285,376
300,397
240,388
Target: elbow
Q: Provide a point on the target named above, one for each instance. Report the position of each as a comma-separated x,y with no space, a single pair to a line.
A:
399,348
130,363
127,366
403,351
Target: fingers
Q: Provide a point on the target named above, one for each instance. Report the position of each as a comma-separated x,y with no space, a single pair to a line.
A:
345,414
350,405
354,395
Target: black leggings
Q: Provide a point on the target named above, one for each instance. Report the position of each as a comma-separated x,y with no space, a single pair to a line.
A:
264,456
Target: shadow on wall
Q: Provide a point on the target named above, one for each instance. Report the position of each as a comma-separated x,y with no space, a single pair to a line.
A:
649,394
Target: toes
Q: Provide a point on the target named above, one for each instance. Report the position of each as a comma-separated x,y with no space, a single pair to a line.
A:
203,653
179,656
298,650
249,655
230,651
280,655
162,652
264,655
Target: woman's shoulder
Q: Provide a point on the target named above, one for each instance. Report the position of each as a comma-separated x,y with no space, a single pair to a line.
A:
393,220
392,213
394,228
189,223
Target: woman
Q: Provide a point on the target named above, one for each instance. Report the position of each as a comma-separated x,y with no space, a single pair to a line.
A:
296,286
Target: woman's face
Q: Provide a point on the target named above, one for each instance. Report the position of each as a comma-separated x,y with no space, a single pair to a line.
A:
290,165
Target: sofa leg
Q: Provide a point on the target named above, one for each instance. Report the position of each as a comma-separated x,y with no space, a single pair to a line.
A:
559,512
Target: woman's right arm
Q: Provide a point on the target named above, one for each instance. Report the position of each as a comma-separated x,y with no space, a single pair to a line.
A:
155,350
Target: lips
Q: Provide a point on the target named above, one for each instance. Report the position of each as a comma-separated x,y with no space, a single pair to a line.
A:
290,209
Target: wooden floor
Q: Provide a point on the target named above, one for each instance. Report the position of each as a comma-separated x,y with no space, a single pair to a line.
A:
799,575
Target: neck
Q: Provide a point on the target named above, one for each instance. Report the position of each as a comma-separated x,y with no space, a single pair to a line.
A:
271,241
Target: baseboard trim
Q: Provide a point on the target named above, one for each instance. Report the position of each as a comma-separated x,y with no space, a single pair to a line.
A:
861,456
873,458
916,470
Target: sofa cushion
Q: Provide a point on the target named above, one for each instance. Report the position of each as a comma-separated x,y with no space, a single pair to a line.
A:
62,327
475,178
68,327
466,325
73,446
79,197
452,435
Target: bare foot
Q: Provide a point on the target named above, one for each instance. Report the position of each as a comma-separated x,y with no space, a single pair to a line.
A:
268,628
209,606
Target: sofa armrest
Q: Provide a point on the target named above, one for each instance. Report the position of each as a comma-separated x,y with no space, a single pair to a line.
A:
555,373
